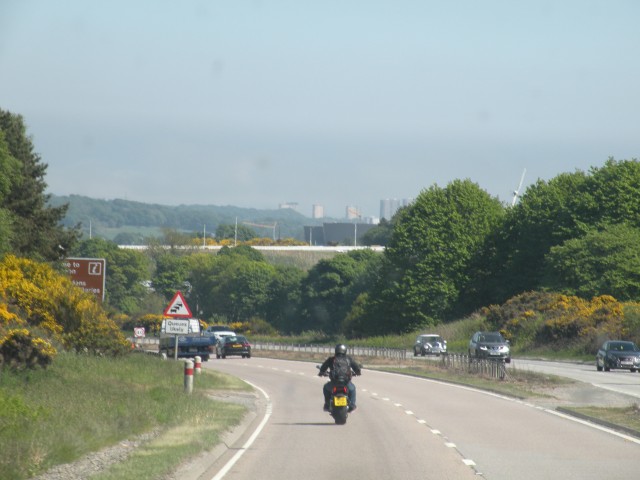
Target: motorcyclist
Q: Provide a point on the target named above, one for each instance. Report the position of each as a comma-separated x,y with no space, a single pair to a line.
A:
340,350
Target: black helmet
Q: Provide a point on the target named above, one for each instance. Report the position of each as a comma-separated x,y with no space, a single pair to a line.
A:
341,349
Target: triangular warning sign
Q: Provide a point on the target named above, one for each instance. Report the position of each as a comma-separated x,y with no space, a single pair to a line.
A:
178,307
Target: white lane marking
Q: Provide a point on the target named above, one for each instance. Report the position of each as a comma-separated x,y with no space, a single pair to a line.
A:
267,414
468,462
408,412
594,425
511,399
450,445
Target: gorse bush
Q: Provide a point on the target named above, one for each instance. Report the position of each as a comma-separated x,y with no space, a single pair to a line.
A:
40,307
536,319
20,351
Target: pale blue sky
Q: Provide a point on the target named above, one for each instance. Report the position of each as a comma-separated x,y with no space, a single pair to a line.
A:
256,103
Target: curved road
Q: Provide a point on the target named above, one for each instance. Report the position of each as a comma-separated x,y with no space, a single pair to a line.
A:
619,381
407,427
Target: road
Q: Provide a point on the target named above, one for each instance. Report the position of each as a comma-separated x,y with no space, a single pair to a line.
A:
407,427
619,381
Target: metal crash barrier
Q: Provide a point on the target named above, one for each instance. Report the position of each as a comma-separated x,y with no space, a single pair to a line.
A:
475,366
392,353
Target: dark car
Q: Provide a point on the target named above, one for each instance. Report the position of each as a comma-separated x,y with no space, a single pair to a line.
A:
618,354
491,345
233,345
429,344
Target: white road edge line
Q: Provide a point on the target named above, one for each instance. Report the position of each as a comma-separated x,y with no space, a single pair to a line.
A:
510,399
251,439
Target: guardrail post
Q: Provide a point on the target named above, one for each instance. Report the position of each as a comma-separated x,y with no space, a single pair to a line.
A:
197,365
188,376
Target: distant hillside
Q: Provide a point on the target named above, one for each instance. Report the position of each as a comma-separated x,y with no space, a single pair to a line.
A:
108,218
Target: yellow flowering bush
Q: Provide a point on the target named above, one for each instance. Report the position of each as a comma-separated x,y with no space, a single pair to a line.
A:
20,351
538,318
35,296
152,322
7,316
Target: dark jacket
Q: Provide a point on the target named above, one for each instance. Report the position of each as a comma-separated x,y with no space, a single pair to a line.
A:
328,364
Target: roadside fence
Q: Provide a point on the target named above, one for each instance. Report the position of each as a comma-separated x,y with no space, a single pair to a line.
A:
392,353
471,365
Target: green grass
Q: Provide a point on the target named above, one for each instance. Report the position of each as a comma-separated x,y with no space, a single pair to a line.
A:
627,417
518,383
81,404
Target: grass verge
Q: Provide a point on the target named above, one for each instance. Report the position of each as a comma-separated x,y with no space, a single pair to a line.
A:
82,404
626,419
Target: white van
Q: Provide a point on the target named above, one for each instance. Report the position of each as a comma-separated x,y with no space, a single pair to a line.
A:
219,331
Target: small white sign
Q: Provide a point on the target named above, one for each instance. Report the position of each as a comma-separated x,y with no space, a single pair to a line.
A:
175,326
138,332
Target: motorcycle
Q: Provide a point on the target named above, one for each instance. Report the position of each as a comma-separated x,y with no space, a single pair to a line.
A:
339,400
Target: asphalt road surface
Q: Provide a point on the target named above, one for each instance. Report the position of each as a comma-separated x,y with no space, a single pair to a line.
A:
619,381
410,428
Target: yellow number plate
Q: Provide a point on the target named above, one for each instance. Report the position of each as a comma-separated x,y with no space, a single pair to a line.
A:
340,401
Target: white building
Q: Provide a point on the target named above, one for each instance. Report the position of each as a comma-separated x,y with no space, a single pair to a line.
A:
317,211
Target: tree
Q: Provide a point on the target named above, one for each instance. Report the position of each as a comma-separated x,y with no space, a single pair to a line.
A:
171,274
36,226
380,234
126,272
551,213
283,307
242,289
331,287
235,232
427,261
602,262
9,168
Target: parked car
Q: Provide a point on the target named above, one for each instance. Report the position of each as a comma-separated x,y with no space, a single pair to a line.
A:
490,345
618,354
429,344
233,345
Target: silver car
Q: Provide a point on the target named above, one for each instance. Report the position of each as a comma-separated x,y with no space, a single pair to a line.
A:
490,345
429,344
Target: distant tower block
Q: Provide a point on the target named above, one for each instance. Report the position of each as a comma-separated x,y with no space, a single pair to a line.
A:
317,211
352,212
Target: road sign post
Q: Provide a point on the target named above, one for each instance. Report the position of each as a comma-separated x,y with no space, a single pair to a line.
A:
178,324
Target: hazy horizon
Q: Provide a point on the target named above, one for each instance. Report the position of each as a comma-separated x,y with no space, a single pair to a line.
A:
254,103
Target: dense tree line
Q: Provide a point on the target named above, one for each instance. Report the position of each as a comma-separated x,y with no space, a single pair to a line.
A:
454,250
118,213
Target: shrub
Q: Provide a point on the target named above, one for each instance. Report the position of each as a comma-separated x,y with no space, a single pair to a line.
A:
20,351
39,297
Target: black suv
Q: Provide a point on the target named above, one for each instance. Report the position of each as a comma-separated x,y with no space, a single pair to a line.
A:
491,345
